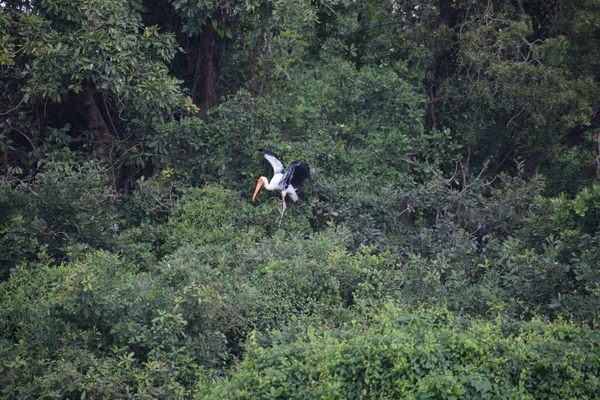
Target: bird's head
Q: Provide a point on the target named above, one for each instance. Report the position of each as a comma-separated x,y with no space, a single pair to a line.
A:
260,183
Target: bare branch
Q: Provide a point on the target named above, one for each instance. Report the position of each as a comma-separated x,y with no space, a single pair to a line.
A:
13,109
598,158
31,142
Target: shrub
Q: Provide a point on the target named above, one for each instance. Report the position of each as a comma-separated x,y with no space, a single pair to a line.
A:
19,229
420,354
137,332
61,208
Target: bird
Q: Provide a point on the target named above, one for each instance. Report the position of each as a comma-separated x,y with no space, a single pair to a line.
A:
285,180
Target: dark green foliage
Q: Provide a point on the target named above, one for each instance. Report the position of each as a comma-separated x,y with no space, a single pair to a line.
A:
125,323
157,330
86,77
188,311
421,354
450,227
62,208
18,241
480,250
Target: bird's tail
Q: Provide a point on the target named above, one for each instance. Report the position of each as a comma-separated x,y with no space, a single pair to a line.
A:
293,196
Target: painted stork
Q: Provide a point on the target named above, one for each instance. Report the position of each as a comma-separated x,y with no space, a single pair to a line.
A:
285,180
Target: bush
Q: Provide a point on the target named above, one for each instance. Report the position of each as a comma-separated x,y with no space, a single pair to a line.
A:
138,332
61,208
420,354
19,229
76,204
503,247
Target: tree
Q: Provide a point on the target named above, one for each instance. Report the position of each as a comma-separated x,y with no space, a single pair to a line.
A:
85,76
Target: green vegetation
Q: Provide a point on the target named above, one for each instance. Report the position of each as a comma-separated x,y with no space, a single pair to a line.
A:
446,247
422,354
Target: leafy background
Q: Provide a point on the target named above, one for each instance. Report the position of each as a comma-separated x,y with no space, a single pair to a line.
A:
447,245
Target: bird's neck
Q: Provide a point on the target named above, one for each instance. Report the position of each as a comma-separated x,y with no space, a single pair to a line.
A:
272,185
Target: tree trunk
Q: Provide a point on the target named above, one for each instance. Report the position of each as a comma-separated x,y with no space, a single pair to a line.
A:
208,69
446,18
90,112
253,62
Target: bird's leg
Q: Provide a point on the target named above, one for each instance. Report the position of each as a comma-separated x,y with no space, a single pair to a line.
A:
284,206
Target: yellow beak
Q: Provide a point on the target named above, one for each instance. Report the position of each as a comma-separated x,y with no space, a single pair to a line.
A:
258,186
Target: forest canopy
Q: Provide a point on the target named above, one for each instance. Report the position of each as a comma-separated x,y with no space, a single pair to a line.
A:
446,246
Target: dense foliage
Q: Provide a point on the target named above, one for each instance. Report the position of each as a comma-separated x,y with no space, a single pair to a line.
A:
419,354
447,245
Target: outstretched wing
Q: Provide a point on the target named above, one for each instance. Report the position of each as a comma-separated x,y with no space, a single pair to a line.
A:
296,174
274,161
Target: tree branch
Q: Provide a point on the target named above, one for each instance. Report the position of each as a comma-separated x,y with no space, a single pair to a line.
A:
598,158
31,142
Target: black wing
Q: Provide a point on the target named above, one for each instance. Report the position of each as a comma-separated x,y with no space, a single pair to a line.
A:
274,161
296,174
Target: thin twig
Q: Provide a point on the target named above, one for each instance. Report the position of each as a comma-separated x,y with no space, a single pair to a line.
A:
598,158
13,109
108,114
33,146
